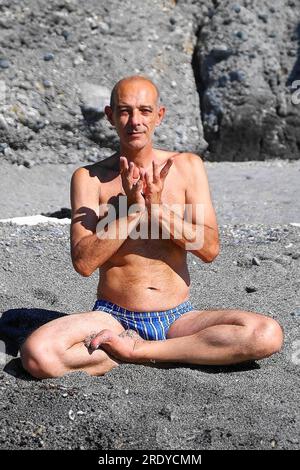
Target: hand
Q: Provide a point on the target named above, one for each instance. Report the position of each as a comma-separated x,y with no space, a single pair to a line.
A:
132,182
153,189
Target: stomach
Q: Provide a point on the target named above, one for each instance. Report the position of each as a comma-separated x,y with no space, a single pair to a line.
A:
150,280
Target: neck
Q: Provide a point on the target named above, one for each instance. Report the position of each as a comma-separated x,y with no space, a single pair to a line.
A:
142,158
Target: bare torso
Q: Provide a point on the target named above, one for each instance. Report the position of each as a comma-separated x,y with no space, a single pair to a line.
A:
144,274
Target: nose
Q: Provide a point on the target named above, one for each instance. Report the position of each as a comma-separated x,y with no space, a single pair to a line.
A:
135,118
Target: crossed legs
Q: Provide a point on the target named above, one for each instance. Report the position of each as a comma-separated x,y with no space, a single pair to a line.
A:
215,337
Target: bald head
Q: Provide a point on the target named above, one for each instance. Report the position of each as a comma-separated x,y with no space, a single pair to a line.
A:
128,80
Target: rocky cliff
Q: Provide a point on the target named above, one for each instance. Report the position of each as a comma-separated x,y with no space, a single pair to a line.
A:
226,72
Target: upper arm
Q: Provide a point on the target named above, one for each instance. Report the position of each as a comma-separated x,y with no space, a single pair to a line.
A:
198,192
85,193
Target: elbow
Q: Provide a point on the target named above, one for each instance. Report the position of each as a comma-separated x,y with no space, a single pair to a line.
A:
212,254
82,270
81,267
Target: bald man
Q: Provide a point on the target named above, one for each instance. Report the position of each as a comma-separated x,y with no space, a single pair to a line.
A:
129,222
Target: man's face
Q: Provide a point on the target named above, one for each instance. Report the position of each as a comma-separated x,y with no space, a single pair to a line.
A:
136,113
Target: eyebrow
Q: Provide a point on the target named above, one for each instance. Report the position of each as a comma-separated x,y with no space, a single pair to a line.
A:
141,106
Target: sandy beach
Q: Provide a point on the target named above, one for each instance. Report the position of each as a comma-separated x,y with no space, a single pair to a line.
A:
253,406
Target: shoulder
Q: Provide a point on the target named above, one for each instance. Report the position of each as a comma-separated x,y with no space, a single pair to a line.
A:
187,162
97,172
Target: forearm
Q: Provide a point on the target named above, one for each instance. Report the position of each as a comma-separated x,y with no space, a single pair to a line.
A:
94,250
199,239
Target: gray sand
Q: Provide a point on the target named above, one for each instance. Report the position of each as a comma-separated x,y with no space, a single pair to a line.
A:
253,406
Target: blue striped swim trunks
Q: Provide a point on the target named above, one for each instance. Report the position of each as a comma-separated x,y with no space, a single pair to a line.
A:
149,325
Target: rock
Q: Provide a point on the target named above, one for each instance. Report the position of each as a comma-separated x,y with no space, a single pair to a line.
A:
250,289
4,63
237,75
255,261
48,56
259,108
236,7
242,35
296,312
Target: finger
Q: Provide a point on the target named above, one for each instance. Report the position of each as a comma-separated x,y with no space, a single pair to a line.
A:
123,164
147,178
166,168
155,172
131,169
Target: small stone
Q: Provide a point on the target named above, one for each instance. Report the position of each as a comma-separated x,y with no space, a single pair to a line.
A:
255,261
237,75
263,17
48,56
64,395
221,52
126,391
296,312
242,35
236,8
66,34
3,146
250,289
173,84
273,443
47,83
4,63
71,415
28,163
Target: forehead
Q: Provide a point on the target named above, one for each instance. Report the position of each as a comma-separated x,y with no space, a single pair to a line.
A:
136,92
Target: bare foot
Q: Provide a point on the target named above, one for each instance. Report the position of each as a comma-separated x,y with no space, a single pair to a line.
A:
121,346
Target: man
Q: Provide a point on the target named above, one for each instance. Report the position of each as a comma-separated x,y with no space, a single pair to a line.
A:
143,313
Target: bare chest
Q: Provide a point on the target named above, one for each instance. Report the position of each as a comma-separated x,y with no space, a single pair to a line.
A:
173,193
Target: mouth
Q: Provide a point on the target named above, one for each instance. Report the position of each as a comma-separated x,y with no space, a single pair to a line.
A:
135,134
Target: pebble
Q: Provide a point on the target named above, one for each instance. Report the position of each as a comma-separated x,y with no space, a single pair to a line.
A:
242,35
3,146
71,415
236,8
263,17
237,75
255,261
221,52
66,34
250,289
47,83
48,56
296,312
4,64
28,163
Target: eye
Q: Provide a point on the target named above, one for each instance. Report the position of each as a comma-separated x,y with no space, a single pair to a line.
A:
146,111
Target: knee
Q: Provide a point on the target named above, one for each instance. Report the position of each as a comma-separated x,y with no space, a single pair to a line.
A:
39,360
266,339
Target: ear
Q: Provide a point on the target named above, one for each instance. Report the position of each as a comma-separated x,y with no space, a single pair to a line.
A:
109,114
160,115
